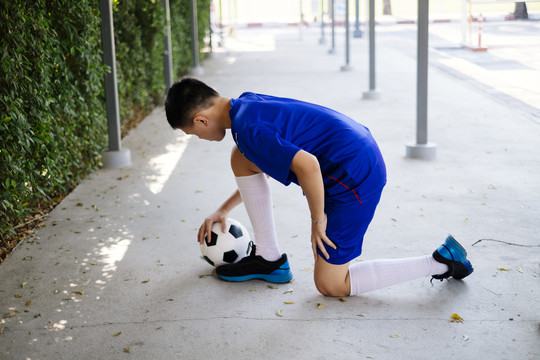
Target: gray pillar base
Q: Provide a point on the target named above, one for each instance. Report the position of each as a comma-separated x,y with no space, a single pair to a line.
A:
198,70
346,68
421,151
357,34
332,51
371,95
116,159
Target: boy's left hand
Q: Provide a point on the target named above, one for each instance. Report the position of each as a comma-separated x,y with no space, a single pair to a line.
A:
319,238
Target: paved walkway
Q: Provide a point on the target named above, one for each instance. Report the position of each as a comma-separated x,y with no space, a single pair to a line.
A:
116,272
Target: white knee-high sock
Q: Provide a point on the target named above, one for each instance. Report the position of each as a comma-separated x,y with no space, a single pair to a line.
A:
377,274
257,198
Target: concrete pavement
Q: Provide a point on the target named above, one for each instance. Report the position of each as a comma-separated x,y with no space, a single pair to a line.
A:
116,272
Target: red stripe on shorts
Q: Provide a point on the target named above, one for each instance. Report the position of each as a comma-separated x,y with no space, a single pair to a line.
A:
348,188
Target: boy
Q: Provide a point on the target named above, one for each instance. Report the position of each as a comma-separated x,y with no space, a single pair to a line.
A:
340,169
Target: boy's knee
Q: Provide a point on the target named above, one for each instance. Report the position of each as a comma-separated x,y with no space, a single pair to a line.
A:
235,155
331,288
240,165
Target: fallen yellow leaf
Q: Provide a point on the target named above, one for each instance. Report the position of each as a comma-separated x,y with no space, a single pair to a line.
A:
319,306
145,281
126,350
24,284
342,300
271,287
503,269
118,333
395,336
2,330
11,314
288,302
28,303
456,318
278,313
78,292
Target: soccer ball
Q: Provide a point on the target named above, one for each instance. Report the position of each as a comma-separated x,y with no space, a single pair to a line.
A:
226,247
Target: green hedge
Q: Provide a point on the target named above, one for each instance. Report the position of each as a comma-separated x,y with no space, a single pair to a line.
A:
52,103
181,28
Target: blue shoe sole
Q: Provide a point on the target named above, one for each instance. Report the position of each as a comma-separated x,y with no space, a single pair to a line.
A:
277,277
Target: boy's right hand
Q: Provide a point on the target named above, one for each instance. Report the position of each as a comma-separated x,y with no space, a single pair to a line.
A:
218,216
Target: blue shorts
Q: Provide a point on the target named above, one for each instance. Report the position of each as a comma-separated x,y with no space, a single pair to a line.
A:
347,223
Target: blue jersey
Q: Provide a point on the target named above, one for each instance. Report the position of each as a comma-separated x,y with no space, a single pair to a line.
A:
269,131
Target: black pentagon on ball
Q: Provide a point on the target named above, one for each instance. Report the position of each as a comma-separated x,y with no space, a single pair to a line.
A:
213,239
235,231
208,260
230,256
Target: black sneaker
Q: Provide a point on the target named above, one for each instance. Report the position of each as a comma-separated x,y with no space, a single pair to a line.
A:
454,255
256,267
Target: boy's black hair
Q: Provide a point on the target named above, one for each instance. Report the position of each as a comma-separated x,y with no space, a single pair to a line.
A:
184,99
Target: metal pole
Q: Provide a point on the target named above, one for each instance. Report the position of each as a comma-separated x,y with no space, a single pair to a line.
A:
347,66
372,93
422,73
115,156
357,32
322,40
167,49
332,13
422,149
371,45
196,69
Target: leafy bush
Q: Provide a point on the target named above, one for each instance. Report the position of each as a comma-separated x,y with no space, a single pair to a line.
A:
52,102
51,119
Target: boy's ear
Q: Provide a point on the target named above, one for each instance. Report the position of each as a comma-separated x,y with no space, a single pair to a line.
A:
200,120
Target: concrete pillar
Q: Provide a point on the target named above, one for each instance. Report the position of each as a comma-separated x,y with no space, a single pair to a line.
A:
372,93
167,49
332,14
115,156
357,32
347,66
422,149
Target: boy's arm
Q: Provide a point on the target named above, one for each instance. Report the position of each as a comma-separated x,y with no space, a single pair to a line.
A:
307,170
220,215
